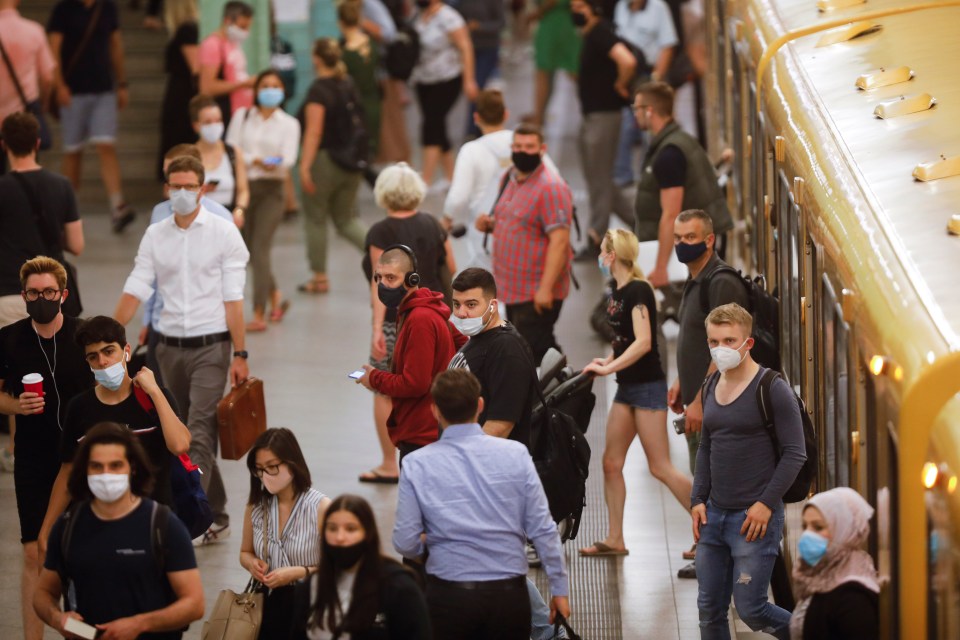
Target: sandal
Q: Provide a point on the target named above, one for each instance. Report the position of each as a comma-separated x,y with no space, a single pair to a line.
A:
276,315
375,477
315,287
601,549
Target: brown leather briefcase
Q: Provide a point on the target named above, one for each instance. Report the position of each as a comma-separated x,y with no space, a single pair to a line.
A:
242,415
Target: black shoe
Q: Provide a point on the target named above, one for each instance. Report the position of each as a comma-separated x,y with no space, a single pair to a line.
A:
688,572
122,217
589,253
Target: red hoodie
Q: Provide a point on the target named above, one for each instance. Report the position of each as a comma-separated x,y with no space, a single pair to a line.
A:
425,345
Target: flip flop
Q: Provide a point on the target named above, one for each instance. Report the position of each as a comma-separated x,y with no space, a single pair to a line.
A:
375,477
314,287
604,550
690,555
277,314
256,327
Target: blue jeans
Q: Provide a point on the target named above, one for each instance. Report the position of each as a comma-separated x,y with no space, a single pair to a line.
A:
630,136
728,565
540,627
486,67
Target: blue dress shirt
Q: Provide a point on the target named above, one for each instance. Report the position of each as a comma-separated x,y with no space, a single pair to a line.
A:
153,306
478,498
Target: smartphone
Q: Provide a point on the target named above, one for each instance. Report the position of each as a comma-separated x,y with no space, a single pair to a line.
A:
273,160
680,425
356,375
80,628
213,183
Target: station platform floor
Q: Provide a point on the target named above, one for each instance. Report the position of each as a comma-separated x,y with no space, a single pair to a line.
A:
304,362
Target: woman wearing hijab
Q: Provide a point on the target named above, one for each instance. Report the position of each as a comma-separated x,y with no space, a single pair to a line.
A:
835,581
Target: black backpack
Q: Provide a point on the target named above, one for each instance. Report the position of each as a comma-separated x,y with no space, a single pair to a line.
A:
354,153
765,309
403,53
807,475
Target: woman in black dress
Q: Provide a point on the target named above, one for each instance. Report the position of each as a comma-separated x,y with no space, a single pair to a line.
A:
181,66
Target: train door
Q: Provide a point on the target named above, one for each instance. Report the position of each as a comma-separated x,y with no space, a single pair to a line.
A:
833,410
788,255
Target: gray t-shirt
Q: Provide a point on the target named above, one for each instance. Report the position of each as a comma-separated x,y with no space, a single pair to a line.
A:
693,354
736,462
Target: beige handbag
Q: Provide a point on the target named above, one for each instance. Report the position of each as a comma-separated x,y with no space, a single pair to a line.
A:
237,616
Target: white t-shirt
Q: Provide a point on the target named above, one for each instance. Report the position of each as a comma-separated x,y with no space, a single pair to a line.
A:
223,192
345,593
439,57
651,30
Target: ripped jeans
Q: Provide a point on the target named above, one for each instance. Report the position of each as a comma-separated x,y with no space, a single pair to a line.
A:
729,566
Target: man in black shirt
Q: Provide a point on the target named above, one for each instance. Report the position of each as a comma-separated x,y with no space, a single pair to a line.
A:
120,399
130,561
606,69
41,344
496,354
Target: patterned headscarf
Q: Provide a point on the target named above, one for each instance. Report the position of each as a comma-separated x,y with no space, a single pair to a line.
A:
847,516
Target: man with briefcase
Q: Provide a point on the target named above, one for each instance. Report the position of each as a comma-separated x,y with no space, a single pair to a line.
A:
198,262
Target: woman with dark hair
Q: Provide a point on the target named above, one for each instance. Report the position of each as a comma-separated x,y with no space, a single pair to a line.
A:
269,139
359,593
281,526
181,66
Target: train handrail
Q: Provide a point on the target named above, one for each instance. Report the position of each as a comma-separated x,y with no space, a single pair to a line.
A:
935,385
790,36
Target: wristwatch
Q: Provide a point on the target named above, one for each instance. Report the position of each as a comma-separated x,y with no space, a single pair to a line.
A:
241,354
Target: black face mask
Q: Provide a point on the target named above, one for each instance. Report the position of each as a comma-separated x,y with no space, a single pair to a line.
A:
579,20
346,557
690,252
391,297
525,162
43,311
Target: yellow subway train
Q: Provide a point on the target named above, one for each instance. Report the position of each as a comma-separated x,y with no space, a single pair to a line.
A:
844,120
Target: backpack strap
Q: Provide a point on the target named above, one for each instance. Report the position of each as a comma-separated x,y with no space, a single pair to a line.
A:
159,516
765,404
69,522
707,279
708,383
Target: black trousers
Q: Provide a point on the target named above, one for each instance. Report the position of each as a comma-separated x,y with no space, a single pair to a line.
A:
501,613
536,328
436,100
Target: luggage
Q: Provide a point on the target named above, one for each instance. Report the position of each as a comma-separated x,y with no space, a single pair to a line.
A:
242,416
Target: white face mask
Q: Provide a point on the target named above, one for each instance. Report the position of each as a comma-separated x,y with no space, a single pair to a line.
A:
472,326
183,201
726,358
236,34
109,487
211,132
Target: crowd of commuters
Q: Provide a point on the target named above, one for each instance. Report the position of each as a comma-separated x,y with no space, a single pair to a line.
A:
453,349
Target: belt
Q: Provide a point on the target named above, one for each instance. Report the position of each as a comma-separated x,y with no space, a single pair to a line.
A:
517,582
195,342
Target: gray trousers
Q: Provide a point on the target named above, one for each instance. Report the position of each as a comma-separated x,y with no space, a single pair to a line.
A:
264,214
599,141
197,378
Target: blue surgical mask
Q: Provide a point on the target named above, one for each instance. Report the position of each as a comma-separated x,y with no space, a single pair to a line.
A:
270,97
690,252
111,377
604,268
812,547
211,132
183,201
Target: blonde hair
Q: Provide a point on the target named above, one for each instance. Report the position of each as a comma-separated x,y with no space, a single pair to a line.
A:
328,51
179,12
40,265
627,249
399,188
731,314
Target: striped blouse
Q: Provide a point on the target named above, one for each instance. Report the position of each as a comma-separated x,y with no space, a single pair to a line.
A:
300,543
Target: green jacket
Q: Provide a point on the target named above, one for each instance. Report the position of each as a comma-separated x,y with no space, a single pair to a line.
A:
700,191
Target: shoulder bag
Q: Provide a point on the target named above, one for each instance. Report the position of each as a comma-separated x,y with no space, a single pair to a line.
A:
238,616
51,245
34,107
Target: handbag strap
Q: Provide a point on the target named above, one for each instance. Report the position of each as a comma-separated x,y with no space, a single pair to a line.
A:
561,623
87,36
503,187
13,75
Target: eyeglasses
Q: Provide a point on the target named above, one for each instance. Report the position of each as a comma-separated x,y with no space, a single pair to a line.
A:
32,295
270,470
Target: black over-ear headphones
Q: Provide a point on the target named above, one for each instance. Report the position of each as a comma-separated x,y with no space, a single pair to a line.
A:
412,278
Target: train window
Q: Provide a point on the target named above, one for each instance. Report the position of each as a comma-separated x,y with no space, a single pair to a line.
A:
793,282
834,409
787,307
841,335
758,234
736,116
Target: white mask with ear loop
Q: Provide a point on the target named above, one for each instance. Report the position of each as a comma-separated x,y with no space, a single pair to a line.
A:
472,326
726,358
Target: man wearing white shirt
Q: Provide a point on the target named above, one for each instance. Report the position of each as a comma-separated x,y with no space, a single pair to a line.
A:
197,262
477,173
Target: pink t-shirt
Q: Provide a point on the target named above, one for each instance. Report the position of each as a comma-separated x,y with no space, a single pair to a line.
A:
26,45
217,51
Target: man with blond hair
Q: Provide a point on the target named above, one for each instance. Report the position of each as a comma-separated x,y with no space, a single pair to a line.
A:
43,344
744,467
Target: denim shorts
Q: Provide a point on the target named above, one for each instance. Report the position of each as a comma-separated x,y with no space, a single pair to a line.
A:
651,396
90,117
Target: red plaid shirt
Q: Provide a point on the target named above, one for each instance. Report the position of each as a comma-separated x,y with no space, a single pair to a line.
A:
526,213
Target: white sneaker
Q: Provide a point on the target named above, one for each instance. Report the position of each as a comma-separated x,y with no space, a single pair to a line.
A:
213,535
440,186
